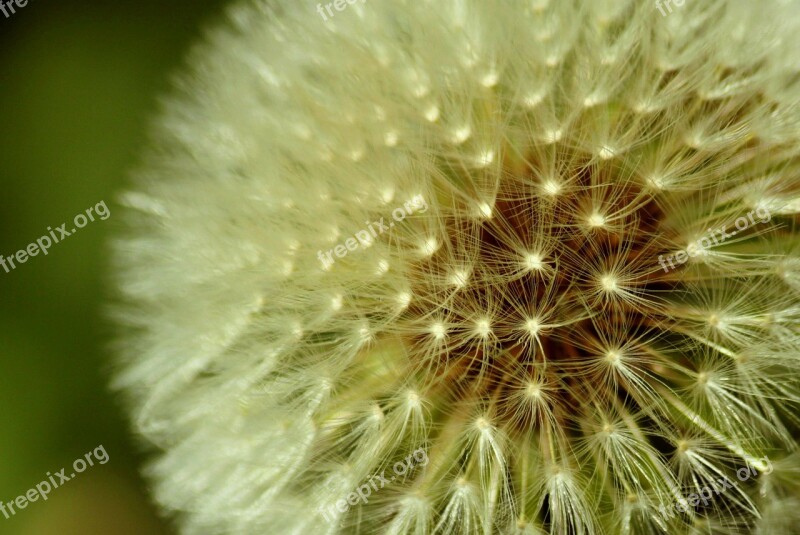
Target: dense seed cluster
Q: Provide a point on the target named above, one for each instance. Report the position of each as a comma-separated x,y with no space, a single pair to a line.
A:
534,278
543,324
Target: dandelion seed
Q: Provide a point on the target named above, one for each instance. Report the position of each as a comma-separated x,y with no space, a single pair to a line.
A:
483,328
534,99
532,326
383,267
605,152
609,283
551,187
597,220
552,136
485,158
460,135
403,300
485,210
491,79
432,113
390,139
438,330
459,278
533,262
429,246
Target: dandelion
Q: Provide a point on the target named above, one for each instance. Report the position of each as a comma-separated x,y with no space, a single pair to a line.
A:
521,330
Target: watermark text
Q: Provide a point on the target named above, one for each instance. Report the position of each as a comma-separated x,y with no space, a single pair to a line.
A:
43,244
45,487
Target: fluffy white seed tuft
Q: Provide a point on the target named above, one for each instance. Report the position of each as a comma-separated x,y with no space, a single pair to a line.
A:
552,245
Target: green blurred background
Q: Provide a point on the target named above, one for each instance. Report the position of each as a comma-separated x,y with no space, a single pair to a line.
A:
79,83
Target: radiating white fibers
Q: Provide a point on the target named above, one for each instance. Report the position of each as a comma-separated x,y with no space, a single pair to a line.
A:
520,329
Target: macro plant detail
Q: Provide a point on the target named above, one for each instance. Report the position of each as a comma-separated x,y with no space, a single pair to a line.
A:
519,330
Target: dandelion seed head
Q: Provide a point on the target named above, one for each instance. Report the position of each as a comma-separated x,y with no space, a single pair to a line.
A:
397,230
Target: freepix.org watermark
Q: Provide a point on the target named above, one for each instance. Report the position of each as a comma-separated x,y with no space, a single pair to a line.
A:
339,5
365,238
45,487
708,492
43,244
6,6
401,468
668,5
699,247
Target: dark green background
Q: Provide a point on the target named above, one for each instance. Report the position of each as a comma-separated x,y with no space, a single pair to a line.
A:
79,83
